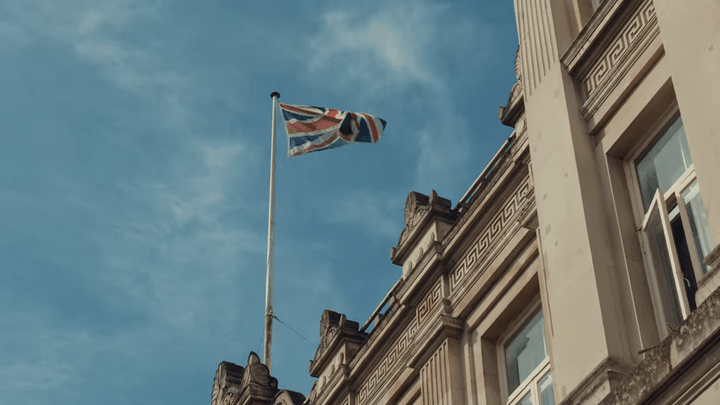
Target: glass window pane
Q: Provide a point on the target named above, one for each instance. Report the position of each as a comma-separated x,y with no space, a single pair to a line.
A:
525,351
664,163
527,399
698,222
546,390
663,271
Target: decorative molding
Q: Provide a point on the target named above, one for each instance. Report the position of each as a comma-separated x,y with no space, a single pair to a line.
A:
593,32
374,381
428,304
620,46
399,347
617,56
494,229
478,193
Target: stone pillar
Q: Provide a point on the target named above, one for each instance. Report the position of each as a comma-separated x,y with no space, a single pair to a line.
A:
586,316
690,32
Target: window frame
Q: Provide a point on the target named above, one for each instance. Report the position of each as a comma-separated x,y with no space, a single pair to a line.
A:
674,195
511,398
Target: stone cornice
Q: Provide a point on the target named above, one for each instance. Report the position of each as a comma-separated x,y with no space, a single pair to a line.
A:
515,107
592,33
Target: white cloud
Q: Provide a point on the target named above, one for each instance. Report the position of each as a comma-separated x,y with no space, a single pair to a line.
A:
409,49
95,30
388,46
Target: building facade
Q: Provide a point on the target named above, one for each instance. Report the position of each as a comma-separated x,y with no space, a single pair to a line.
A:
583,265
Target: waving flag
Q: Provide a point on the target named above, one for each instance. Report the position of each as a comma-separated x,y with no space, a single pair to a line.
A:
312,129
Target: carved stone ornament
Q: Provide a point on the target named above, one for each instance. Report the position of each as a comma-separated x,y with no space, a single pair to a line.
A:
227,378
515,92
287,397
218,385
416,206
335,331
230,399
329,323
257,374
329,328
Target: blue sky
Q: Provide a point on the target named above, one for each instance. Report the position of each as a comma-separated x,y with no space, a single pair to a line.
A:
134,167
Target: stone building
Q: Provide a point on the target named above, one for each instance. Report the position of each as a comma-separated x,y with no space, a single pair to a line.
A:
583,265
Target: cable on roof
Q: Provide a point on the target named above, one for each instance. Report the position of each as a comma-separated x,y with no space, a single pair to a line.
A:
296,332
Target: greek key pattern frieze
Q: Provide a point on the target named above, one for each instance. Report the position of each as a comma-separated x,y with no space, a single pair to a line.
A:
396,352
424,309
621,46
491,234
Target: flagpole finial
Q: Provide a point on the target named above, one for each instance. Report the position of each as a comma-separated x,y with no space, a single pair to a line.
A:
274,94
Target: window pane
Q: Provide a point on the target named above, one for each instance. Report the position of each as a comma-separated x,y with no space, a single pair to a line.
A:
664,163
663,271
527,399
546,390
698,222
685,259
525,351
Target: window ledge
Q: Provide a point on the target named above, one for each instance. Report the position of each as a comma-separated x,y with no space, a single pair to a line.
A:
664,374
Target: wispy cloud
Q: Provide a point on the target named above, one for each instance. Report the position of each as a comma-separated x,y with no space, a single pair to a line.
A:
389,46
410,50
98,33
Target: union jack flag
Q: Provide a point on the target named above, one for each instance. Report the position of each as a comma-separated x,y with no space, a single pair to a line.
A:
312,129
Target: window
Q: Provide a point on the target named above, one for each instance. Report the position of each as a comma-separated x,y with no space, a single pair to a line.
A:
526,364
674,229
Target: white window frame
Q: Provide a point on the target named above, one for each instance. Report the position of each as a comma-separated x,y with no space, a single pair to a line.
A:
532,381
658,206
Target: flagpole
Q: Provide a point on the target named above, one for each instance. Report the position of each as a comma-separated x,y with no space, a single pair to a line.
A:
271,242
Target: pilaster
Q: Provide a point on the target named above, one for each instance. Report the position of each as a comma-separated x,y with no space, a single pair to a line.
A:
586,313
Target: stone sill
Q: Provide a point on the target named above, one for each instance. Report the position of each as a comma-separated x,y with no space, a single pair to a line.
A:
665,370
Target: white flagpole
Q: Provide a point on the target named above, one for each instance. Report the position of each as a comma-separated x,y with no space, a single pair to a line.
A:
271,242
